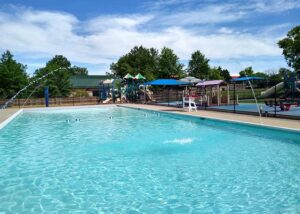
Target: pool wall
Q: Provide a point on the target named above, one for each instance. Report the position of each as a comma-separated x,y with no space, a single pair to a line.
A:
224,121
13,116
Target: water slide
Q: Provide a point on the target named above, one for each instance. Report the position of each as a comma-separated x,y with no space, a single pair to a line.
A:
269,92
279,86
107,100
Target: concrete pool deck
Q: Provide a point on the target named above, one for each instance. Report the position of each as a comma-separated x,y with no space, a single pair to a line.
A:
268,121
7,114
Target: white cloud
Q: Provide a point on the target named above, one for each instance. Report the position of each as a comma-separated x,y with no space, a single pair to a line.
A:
119,22
101,40
275,6
206,15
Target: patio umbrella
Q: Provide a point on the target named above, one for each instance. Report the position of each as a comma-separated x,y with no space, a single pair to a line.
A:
190,79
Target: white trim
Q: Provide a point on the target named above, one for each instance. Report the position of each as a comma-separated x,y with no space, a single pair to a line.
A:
9,119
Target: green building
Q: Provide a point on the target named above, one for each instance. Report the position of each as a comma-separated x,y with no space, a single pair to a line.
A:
87,83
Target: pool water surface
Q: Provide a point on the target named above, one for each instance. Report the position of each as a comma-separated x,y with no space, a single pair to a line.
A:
121,160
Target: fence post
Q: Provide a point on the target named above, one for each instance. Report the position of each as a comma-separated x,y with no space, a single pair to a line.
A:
275,100
234,98
168,96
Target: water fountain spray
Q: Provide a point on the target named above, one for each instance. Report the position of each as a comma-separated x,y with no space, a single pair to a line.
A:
31,83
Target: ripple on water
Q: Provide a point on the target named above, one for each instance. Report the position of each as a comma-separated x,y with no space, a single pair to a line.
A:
138,164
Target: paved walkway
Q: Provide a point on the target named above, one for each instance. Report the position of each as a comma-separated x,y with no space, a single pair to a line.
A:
6,113
274,122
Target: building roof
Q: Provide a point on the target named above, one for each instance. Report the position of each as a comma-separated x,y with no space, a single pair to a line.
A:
87,81
210,82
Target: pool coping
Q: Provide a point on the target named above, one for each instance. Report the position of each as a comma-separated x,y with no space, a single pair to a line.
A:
10,118
215,119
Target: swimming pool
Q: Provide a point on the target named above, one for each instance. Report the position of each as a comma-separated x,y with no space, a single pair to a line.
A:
121,160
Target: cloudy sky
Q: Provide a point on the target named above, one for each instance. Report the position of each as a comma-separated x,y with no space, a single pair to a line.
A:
233,34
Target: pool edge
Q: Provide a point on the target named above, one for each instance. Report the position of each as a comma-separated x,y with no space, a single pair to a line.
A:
9,119
218,119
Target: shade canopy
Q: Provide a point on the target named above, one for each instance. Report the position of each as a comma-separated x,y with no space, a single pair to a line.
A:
108,81
210,83
139,77
165,82
190,79
246,79
128,76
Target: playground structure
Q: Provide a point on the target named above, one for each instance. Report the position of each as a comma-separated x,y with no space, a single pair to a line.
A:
132,91
189,94
286,93
109,91
212,93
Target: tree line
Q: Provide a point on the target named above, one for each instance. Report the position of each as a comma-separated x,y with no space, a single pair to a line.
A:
155,64
13,77
150,62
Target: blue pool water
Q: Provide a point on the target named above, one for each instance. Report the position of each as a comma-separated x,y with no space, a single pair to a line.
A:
144,162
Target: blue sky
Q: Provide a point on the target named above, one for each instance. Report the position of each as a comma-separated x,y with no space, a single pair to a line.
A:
233,34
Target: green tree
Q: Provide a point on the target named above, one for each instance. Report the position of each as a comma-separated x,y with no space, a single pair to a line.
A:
138,60
75,70
59,81
13,75
198,66
278,76
291,47
247,72
284,72
261,74
224,74
169,65
215,74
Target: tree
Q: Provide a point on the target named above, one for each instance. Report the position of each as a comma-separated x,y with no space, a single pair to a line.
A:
247,72
291,47
75,70
261,74
59,81
13,75
215,74
169,65
138,60
284,72
278,75
224,74
198,66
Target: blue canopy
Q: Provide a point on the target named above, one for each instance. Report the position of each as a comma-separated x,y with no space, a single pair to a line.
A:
246,79
165,82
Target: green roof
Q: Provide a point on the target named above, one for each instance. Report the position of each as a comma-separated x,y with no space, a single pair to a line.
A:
87,81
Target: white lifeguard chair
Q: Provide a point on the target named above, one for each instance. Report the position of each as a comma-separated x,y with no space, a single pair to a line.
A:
189,103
